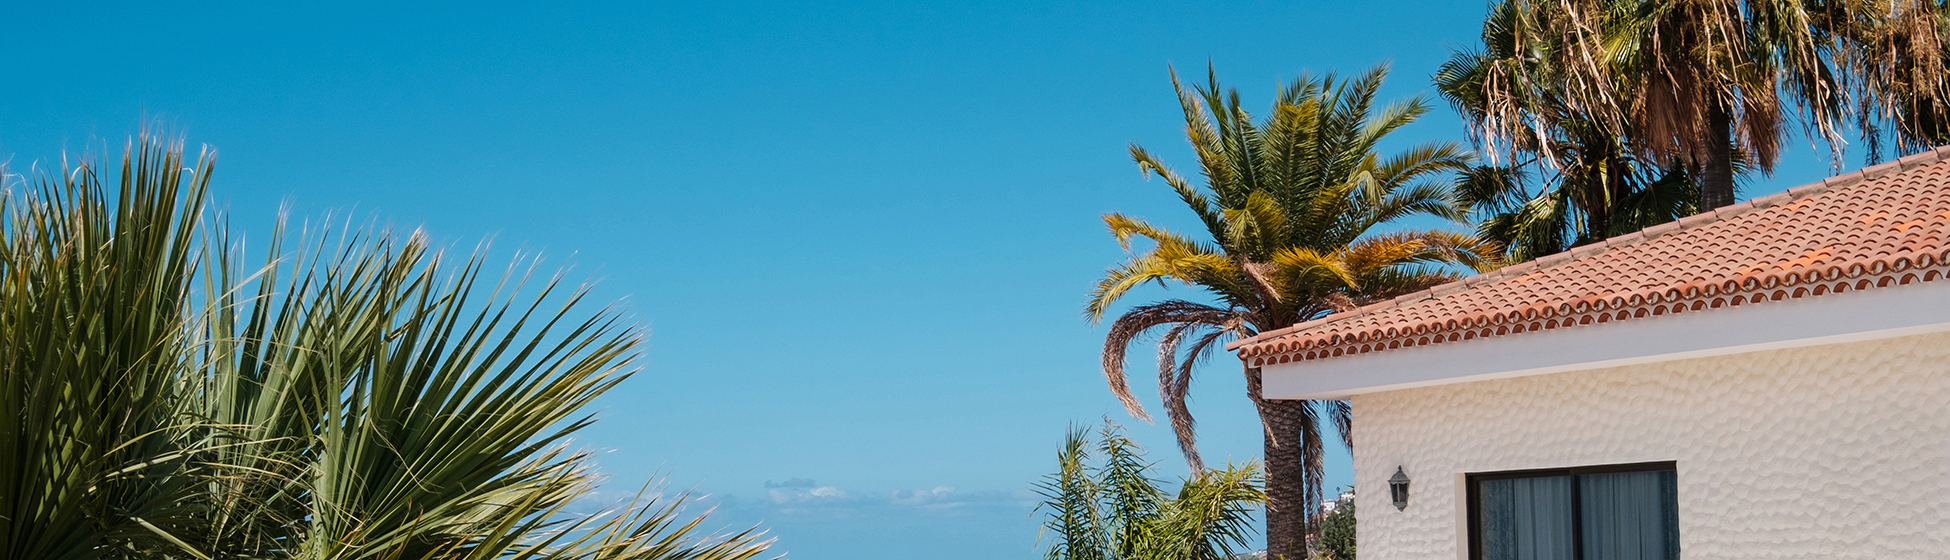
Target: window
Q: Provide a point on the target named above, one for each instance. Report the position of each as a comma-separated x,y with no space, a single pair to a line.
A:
1613,512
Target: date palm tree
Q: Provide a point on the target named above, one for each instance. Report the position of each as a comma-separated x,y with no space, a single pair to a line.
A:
1294,207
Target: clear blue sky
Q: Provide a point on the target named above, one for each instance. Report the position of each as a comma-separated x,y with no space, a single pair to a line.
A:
860,234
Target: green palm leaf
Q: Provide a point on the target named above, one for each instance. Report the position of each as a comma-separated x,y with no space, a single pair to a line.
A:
359,397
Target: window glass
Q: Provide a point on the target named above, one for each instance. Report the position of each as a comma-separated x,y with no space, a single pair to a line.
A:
1527,519
1630,516
1618,512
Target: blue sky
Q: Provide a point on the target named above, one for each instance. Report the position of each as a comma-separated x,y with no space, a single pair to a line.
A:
860,234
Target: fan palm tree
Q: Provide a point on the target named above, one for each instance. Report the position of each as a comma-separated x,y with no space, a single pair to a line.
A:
359,398
1690,83
1293,207
1901,51
1573,179
1716,78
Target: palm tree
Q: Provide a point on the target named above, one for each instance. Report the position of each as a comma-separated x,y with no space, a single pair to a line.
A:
359,398
1901,51
1572,179
1292,206
1112,509
1690,82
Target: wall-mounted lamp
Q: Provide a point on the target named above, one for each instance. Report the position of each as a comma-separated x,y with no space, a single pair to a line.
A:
1398,489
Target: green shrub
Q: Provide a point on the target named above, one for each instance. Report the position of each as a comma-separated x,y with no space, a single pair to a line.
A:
1336,540
1113,510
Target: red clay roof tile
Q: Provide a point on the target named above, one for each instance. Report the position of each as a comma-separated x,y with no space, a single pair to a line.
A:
1880,226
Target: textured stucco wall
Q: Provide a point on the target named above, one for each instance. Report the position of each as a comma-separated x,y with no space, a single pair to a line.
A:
1824,452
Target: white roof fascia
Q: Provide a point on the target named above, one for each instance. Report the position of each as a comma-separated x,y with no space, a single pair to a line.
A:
1918,308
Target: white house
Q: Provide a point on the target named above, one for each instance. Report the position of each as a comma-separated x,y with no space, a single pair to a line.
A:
1769,380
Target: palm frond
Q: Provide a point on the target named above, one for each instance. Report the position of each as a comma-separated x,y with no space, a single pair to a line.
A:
361,398
1141,320
96,275
1113,509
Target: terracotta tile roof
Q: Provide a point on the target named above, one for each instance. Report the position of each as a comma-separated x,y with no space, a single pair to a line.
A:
1881,226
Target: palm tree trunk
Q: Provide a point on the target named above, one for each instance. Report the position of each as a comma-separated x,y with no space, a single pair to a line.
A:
1287,474
1716,173
1602,165
1287,499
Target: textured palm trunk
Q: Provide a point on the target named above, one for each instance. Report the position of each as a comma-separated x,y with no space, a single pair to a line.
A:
1286,472
1603,203
1716,173
1287,519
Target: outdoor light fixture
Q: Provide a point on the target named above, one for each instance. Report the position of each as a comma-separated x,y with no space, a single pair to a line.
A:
1398,489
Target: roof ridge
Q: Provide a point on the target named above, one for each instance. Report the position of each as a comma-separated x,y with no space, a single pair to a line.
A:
1580,252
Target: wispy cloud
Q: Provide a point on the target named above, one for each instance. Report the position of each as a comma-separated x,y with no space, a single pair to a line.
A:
800,499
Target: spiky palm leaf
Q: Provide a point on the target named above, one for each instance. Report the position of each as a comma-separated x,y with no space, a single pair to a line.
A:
358,398
94,280
1112,509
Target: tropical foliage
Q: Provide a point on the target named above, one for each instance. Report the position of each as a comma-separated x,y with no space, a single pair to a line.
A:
359,396
1293,209
1902,82
1103,504
1571,178
1710,85
1687,83
1335,540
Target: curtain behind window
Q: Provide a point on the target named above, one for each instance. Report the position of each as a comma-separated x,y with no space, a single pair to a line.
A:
1630,516
1527,519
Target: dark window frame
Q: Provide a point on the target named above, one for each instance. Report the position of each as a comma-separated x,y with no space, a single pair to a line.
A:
1474,498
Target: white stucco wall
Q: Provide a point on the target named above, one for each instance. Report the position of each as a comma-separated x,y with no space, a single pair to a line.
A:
1824,452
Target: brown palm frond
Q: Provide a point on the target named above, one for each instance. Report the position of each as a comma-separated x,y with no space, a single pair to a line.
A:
1340,302
1313,445
1905,79
1466,249
1173,385
1342,413
1176,407
1133,324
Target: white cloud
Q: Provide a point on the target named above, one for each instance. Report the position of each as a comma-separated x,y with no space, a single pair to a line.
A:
786,495
830,502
